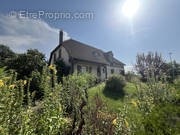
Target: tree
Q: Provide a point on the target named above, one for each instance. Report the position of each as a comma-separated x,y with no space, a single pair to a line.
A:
25,63
29,65
62,69
5,53
174,70
150,63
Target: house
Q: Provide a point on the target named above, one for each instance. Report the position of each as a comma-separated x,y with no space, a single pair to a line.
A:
85,58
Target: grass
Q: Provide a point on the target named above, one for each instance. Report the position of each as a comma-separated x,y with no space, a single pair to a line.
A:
113,102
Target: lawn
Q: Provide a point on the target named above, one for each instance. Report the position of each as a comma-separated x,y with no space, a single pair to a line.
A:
112,99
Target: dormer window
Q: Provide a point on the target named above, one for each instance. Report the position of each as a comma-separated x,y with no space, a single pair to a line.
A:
96,54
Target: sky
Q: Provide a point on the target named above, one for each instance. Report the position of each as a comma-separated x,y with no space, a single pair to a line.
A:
155,26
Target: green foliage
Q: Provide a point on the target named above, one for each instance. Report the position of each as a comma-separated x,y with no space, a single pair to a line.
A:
5,54
177,82
17,114
68,108
115,85
29,65
62,69
131,77
163,120
154,93
25,63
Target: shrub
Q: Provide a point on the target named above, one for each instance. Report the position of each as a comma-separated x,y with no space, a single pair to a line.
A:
131,77
177,82
62,69
153,93
163,120
114,86
18,117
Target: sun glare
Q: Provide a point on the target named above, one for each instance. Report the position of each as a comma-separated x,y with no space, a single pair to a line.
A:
130,8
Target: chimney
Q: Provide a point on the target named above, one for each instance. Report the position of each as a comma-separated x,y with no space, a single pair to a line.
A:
60,37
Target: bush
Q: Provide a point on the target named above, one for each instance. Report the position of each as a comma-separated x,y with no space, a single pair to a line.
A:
177,82
163,120
132,77
153,93
62,69
115,86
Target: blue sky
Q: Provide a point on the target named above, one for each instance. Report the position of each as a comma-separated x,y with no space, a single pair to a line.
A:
155,27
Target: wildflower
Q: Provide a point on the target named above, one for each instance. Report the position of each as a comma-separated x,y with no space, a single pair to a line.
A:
51,67
60,108
126,123
11,86
48,77
114,122
134,103
25,82
1,83
55,71
50,94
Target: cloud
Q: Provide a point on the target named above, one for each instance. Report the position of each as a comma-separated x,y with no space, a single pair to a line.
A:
21,34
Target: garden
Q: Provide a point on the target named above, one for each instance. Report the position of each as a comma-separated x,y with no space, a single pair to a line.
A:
35,100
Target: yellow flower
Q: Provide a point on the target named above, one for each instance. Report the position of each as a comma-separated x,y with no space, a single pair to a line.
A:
127,124
55,71
50,94
25,82
114,122
1,83
48,77
51,67
12,86
134,103
60,108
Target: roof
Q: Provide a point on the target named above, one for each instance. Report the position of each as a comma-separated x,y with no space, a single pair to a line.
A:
81,51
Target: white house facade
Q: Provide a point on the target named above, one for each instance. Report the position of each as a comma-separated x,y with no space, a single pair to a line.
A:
84,58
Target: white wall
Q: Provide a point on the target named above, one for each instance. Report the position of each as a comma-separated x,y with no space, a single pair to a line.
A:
64,55
117,70
93,70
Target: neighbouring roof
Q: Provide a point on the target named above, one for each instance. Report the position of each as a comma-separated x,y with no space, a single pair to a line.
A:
85,52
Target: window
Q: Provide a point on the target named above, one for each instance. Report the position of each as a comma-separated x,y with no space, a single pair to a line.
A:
59,53
112,71
120,71
104,70
54,56
96,54
78,68
99,71
87,69
90,69
83,69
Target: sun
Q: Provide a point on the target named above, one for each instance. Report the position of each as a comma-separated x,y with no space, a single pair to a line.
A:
130,8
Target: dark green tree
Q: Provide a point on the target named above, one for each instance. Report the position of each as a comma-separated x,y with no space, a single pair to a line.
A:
29,65
25,63
62,69
5,54
175,70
